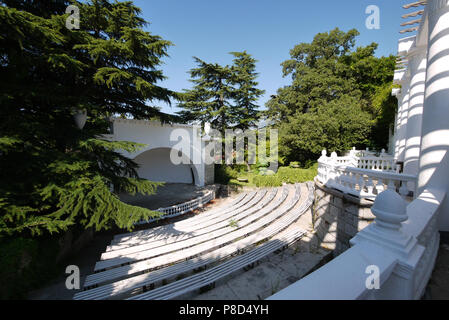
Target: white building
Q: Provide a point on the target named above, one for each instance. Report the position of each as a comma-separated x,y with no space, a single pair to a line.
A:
163,143
393,257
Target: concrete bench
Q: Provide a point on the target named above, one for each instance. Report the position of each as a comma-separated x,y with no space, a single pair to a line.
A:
118,272
125,287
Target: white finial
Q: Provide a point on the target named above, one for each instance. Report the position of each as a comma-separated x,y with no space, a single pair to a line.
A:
207,128
80,117
334,155
324,153
390,210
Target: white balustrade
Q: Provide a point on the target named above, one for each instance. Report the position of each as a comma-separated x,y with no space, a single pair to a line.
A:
363,176
392,258
179,209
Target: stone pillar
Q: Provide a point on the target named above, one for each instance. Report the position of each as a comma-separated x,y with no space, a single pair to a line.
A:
417,65
386,236
434,160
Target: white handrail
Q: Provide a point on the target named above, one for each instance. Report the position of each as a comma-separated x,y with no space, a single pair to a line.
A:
179,209
389,259
364,177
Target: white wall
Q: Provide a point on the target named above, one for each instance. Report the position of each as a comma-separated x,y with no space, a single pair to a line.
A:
155,165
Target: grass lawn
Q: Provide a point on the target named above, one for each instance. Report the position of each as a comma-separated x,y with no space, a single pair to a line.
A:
284,174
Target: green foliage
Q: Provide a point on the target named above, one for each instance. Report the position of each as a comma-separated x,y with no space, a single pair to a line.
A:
297,175
267,181
224,96
284,175
294,164
233,223
245,112
338,97
53,175
224,173
384,110
209,100
334,127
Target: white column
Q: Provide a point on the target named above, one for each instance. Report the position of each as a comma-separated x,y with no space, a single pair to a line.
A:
390,141
434,160
402,118
397,93
396,130
417,65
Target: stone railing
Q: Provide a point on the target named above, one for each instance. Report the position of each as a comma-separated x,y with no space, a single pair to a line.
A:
364,176
180,209
370,160
392,258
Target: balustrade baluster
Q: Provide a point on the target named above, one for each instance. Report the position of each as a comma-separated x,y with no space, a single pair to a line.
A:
380,186
370,186
361,183
391,185
403,190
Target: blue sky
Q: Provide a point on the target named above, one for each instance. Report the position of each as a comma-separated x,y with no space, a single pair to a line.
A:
267,29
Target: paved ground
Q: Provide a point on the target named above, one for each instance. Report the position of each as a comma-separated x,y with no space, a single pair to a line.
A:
438,287
271,275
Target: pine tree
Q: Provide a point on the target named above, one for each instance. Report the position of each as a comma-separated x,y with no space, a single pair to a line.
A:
246,94
53,175
338,98
210,98
225,96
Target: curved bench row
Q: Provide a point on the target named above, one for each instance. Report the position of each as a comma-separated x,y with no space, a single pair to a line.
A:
237,203
119,272
176,230
245,226
144,244
123,288
189,284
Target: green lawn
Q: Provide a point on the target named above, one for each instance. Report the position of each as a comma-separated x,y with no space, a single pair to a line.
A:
284,174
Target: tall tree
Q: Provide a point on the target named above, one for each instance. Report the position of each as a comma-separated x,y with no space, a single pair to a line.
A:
225,96
52,174
209,99
331,100
246,94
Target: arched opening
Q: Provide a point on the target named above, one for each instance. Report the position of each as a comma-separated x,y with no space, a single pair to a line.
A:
155,165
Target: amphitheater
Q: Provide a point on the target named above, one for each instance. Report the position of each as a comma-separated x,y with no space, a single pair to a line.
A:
197,257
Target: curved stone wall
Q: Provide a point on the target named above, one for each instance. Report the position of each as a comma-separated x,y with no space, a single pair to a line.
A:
338,217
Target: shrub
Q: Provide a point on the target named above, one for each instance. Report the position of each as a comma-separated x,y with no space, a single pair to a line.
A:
262,164
293,175
294,164
285,174
224,173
